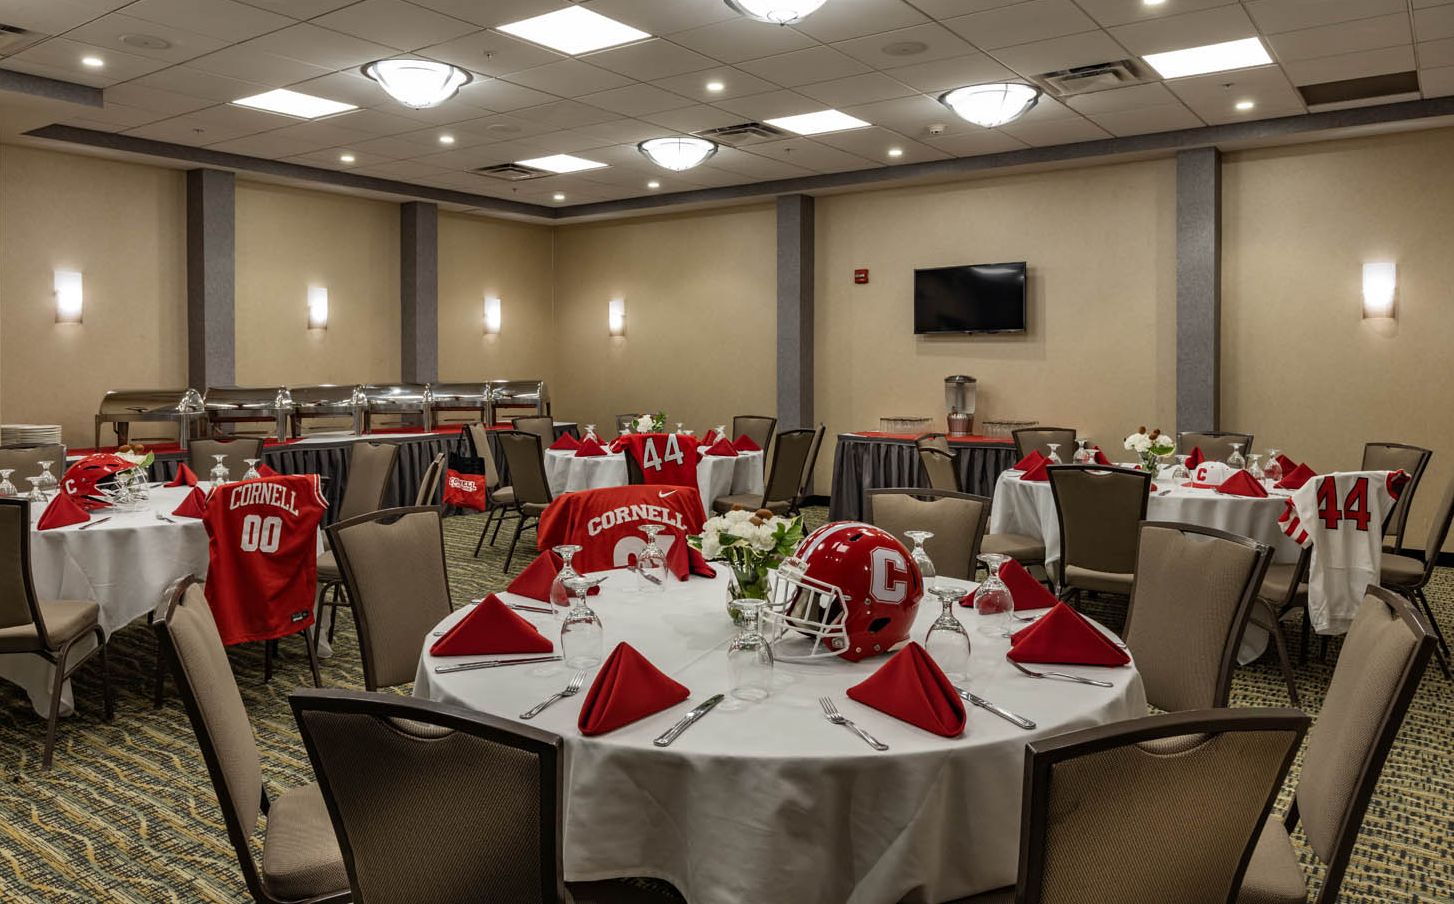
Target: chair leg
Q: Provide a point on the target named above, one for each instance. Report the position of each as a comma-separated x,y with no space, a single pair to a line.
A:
1441,650
1283,660
500,522
108,695
310,641
1307,638
54,717
480,543
267,661
159,681
514,541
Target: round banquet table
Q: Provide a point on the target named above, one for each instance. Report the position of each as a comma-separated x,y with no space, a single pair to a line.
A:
769,802
717,475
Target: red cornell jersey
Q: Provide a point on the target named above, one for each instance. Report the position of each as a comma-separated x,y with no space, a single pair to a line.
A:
605,523
263,556
668,459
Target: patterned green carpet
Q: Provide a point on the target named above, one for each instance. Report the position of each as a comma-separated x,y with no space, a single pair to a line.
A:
128,814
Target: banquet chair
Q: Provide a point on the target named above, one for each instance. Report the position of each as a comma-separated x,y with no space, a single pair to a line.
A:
1100,511
498,499
47,628
957,521
1284,589
1039,439
436,804
395,608
526,461
792,455
300,857
1095,800
26,462
1409,576
626,423
1413,460
543,427
937,441
1382,661
756,427
429,482
939,468
1190,601
235,453
370,472
1215,446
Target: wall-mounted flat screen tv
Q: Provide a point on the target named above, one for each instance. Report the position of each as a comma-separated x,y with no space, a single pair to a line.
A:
982,298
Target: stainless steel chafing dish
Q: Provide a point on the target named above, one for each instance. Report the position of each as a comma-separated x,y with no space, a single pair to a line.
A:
123,407
468,397
516,398
328,401
409,401
232,405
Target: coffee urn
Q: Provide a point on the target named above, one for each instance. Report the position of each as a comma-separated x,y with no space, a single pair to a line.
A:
959,399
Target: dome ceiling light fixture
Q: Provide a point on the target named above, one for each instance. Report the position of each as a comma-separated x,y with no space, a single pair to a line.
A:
419,84
992,105
778,12
677,153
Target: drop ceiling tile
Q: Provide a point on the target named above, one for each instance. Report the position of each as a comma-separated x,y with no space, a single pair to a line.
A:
873,144
377,148
695,119
242,61
65,55
945,9
108,30
445,114
211,125
907,46
941,75
266,145
801,67
857,89
569,141
634,100
1059,131
1035,20
491,53
400,169
1351,65
845,19
298,9
156,100
1163,118
771,105
647,60
1123,12
1117,100
657,18
740,38
49,17
500,96
742,163
395,23
115,118
349,86
568,78
1273,16
1194,29
64,74
623,130
223,19
1434,23
735,83
381,122
1217,114
1047,109
331,132
1061,53
1214,97
565,114
321,47
196,83
1437,82
911,116
1434,54
810,154
1346,37
489,13
706,177
501,127
978,143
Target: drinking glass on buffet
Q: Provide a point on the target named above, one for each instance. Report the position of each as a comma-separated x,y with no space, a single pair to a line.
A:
582,638
559,591
992,600
219,471
1083,454
920,555
1054,456
947,642
251,472
1237,459
48,482
749,655
6,487
1272,471
651,571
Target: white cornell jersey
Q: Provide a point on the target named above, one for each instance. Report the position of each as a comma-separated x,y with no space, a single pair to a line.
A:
1341,516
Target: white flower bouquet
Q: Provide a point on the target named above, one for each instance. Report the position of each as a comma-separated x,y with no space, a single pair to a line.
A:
751,543
1150,446
651,423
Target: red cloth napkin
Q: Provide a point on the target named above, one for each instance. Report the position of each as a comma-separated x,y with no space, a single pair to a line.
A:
1063,636
1294,479
265,471
61,512
911,687
1243,484
1100,457
491,627
1029,461
1037,471
589,448
1027,592
565,443
711,437
184,478
745,444
1287,464
722,447
194,506
627,688
537,577
684,560
1195,458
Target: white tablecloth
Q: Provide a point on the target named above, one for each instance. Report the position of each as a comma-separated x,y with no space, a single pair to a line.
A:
768,802
717,475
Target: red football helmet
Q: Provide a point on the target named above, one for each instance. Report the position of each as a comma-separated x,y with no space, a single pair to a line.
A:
851,588
83,479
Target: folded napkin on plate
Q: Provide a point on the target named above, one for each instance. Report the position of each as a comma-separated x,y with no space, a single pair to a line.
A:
589,448
1062,636
1243,484
1294,479
684,560
1287,464
565,443
1100,457
194,506
265,471
744,443
721,447
62,512
491,627
537,577
1029,461
1027,592
1037,471
911,687
184,478
1195,458
627,688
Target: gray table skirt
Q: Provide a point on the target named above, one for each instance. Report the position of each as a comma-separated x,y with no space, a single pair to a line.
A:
869,462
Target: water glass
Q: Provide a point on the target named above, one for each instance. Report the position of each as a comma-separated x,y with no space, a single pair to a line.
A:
1237,459
219,471
749,655
1272,471
921,556
559,593
251,472
6,487
947,642
48,484
651,573
1254,470
36,495
993,600
1083,454
1054,456
1181,473
582,638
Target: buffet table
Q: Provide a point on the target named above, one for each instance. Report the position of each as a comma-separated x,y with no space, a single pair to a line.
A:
717,475
870,460
768,802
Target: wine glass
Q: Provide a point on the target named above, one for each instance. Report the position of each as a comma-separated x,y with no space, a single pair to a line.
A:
749,655
1272,471
720,432
681,428
219,471
6,487
993,600
582,639
47,479
1254,470
591,432
947,642
251,472
1181,473
920,555
1083,454
1054,456
651,561
559,593
1236,459
35,494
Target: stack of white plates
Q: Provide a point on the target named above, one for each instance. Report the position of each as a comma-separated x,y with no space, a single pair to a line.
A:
29,434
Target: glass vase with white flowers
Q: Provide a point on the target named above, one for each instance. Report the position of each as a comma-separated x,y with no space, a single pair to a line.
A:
1150,446
651,423
751,544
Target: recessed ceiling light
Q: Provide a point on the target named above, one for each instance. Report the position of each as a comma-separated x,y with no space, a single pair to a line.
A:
1152,2
419,84
561,163
679,152
714,87
345,158
559,196
816,123
653,184
446,139
574,30
92,62
1245,105
293,103
149,42
778,12
1209,58
896,152
992,105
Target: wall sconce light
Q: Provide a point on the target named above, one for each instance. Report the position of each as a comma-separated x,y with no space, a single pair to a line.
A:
68,296
317,308
1380,280
616,317
492,316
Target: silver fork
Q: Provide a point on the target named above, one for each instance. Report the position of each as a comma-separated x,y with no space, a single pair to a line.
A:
571,690
1061,675
161,517
837,718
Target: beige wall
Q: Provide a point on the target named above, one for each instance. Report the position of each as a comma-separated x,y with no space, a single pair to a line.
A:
1301,369
123,226
1100,351
701,303
289,239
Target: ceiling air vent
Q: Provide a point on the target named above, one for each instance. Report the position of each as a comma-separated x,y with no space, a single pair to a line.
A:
1088,79
14,39
511,172
742,133
1354,92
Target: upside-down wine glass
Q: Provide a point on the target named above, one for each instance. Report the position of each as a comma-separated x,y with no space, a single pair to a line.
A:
6,487
1180,473
220,473
1272,471
1083,454
749,655
251,472
947,642
1237,459
591,432
35,494
1054,456
992,600
1254,470
920,555
48,481
651,561
721,431
582,638
559,591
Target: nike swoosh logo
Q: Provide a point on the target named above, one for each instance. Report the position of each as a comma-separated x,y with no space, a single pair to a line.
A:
667,493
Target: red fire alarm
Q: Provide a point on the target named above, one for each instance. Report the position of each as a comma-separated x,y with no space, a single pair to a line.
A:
860,276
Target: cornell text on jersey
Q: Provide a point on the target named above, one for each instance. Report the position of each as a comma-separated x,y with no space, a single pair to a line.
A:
251,493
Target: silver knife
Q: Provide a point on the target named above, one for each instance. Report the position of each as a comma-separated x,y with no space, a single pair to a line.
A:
1000,711
94,523
671,734
490,664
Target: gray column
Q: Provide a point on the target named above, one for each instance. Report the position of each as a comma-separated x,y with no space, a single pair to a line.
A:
211,263
419,291
795,252
1198,288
